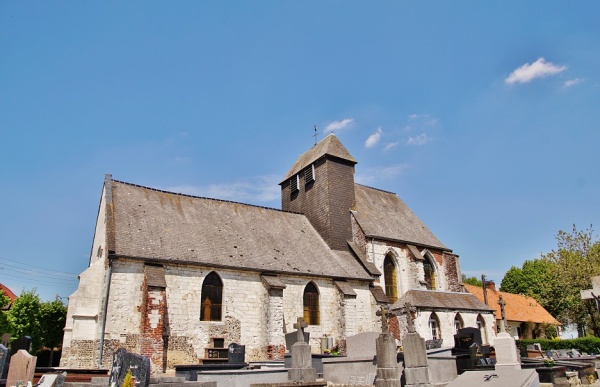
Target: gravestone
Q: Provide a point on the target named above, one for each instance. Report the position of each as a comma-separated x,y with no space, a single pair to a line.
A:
388,374
236,353
3,361
416,367
302,369
123,361
362,344
21,343
22,368
292,337
5,339
52,380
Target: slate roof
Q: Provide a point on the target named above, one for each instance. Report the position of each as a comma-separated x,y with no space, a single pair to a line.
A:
159,225
518,307
330,146
435,299
384,215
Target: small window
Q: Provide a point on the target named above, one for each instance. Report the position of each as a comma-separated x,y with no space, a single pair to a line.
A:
212,296
309,174
294,183
311,305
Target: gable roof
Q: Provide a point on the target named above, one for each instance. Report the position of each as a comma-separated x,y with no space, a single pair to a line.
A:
158,225
384,215
330,146
518,307
8,293
434,299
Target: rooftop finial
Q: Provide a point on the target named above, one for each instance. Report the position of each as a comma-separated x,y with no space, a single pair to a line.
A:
315,135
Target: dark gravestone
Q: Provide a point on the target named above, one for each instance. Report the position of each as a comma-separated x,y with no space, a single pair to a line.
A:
292,338
473,332
3,361
21,343
236,353
124,361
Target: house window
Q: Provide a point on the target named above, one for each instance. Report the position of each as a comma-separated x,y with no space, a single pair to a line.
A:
212,298
311,304
434,327
389,276
429,270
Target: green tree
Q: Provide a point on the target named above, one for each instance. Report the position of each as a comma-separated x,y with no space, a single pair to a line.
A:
472,281
24,317
53,315
4,303
577,260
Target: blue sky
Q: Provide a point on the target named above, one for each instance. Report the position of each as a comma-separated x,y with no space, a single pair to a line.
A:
482,116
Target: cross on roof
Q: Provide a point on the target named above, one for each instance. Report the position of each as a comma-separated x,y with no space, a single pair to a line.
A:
300,325
593,293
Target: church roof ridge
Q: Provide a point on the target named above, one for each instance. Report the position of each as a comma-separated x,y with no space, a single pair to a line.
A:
330,145
202,197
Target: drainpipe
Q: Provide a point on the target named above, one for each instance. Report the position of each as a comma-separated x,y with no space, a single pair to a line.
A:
106,294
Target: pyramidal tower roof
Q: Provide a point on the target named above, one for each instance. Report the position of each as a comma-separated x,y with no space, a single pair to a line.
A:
329,146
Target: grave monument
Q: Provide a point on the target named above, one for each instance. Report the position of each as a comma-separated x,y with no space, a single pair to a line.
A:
388,374
302,369
416,368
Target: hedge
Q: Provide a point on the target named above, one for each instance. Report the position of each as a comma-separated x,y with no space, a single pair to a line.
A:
589,345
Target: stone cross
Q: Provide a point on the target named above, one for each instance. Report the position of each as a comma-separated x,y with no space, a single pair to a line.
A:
502,304
593,293
300,325
410,320
383,312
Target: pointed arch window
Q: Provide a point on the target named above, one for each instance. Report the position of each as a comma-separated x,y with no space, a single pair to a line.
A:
434,326
212,298
429,269
458,323
311,305
389,276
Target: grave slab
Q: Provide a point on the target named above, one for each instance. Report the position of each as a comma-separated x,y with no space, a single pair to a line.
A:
22,368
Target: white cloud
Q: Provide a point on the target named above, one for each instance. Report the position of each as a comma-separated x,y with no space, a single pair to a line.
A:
339,125
572,82
374,138
390,146
538,69
256,190
420,139
375,175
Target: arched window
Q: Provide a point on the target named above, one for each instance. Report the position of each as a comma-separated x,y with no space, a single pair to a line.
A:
311,304
481,326
458,323
389,276
434,327
211,298
429,270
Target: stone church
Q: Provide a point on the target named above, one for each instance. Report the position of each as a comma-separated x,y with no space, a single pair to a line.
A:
172,276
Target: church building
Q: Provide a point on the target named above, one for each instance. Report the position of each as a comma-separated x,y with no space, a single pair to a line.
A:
172,276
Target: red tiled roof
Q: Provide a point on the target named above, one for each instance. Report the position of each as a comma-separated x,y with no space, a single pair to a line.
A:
7,292
518,307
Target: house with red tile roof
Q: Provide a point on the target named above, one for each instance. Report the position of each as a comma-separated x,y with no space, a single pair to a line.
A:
519,309
8,293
